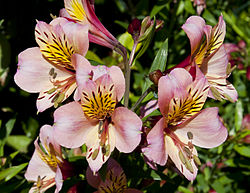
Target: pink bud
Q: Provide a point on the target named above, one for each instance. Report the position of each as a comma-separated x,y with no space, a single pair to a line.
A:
242,44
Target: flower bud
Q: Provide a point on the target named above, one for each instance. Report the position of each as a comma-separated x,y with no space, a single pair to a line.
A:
134,27
241,44
155,76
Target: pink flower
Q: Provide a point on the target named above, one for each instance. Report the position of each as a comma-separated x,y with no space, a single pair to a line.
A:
210,55
82,11
183,123
47,167
115,179
50,68
97,121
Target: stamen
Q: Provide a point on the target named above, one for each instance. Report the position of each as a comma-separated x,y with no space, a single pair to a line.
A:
190,135
196,160
95,154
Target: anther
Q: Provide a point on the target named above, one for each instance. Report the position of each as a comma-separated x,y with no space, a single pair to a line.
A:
189,166
196,160
51,90
95,154
54,75
107,149
182,157
52,71
190,135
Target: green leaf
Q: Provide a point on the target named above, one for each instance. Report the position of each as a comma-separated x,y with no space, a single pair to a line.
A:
218,187
158,63
92,56
189,7
19,142
243,150
154,175
184,190
156,9
9,173
238,115
122,24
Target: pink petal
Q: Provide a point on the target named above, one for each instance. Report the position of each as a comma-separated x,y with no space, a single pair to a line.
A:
33,71
93,144
206,133
119,81
45,100
173,83
37,167
83,73
47,137
71,125
155,151
216,64
194,30
173,152
127,129
58,180
78,36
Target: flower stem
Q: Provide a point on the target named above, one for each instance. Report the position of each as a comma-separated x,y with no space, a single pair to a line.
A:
141,98
128,72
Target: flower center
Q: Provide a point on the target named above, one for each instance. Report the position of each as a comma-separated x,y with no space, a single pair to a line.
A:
113,183
183,108
56,49
75,10
100,104
48,155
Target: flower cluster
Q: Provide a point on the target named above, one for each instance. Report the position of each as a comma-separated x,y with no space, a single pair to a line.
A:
97,118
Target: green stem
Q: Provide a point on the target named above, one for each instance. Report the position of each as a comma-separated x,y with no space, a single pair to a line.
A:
141,98
128,72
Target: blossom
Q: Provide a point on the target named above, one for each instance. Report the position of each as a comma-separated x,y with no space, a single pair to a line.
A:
210,55
50,68
47,167
183,124
115,179
82,11
97,121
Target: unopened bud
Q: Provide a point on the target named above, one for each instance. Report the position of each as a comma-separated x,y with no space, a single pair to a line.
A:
145,24
159,24
134,27
155,76
242,44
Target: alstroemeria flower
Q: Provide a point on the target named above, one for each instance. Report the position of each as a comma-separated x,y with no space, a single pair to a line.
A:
49,69
82,11
183,123
210,55
47,167
97,122
115,179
